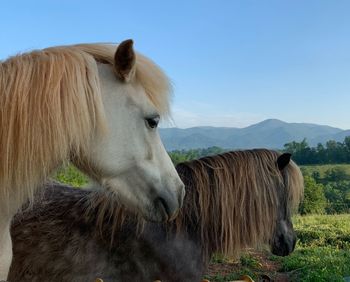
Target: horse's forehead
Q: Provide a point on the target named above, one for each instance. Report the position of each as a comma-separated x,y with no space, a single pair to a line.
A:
133,92
106,75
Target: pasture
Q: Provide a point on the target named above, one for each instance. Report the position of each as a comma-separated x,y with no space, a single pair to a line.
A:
321,169
322,254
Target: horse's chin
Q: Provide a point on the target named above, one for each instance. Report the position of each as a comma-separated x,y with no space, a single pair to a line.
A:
156,205
281,252
155,216
158,212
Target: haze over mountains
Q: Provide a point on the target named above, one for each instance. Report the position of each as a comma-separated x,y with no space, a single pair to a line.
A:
270,133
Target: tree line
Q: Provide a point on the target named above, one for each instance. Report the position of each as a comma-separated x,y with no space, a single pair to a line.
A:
326,193
332,152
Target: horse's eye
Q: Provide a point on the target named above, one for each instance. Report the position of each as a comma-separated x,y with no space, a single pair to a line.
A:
152,122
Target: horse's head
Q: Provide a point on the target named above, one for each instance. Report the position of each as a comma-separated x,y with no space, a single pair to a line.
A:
130,159
284,238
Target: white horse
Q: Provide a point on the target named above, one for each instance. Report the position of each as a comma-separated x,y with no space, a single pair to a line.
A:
95,105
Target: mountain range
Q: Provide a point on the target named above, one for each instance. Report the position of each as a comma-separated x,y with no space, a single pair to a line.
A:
270,133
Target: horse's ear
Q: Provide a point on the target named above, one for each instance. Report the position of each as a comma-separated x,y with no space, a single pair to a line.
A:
124,60
283,160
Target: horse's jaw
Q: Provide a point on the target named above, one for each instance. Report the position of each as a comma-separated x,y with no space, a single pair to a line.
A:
155,203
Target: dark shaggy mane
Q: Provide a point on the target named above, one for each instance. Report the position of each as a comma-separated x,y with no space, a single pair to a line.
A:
232,198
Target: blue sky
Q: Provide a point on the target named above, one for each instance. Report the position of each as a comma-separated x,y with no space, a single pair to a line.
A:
232,63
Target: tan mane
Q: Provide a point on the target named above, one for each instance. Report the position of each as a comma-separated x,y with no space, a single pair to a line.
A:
51,106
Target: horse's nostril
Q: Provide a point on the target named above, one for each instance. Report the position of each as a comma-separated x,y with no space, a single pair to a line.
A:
165,205
163,208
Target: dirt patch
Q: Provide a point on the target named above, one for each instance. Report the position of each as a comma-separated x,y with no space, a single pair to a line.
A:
255,263
223,268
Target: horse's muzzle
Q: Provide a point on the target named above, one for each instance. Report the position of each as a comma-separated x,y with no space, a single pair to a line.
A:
167,206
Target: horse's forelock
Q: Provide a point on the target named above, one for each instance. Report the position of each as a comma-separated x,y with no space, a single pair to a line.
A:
295,183
153,80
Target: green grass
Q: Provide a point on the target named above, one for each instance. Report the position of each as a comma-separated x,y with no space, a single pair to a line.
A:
309,169
323,249
318,264
323,230
322,253
71,176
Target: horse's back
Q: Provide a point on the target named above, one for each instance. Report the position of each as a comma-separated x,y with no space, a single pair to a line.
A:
50,237
54,241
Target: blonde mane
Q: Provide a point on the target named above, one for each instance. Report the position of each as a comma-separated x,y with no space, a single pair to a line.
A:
51,106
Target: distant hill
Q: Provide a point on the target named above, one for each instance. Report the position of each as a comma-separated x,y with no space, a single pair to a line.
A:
270,133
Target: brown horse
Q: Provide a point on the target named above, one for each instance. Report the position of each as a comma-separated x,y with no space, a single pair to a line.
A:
233,201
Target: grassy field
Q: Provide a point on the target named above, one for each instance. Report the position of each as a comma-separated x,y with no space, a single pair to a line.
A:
71,176
309,169
323,251
322,254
